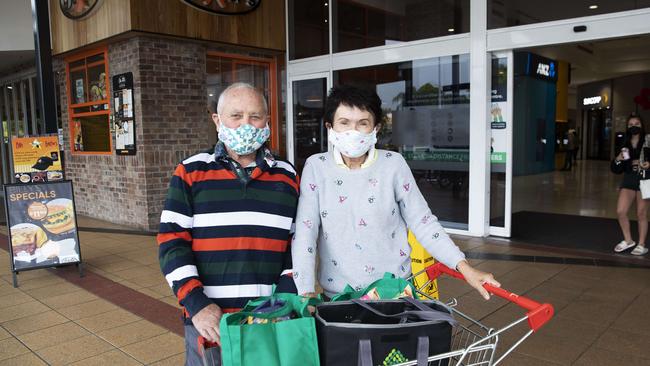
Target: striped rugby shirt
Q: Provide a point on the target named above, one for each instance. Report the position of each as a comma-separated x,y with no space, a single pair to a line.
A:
225,230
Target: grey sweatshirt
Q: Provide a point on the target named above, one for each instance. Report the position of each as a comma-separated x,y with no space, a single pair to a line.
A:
356,220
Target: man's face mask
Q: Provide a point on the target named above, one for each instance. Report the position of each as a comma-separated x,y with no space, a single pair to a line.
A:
244,140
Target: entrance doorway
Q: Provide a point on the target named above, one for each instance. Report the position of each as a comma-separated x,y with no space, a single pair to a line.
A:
571,202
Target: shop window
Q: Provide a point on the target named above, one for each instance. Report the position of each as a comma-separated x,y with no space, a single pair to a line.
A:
225,69
426,119
357,25
510,13
88,103
308,28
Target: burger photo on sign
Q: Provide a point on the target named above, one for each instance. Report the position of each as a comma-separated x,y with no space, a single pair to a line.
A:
60,216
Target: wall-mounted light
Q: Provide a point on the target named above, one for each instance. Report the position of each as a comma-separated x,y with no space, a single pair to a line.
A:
9,87
593,7
450,30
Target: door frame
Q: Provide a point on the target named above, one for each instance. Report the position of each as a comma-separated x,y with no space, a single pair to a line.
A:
505,231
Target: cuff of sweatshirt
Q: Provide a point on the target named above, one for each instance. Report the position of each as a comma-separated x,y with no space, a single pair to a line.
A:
195,301
452,262
303,285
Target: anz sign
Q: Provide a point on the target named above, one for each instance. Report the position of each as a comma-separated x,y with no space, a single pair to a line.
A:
537,66
547,70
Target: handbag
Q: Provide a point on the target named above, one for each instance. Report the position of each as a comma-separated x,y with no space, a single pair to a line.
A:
644,187
383,332
253,338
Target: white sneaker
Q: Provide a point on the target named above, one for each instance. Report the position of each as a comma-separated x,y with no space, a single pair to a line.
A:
623,246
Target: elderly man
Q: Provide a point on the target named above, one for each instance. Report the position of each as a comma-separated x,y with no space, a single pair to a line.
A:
225,229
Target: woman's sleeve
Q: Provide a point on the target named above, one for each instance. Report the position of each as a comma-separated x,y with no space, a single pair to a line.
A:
419,219
303,248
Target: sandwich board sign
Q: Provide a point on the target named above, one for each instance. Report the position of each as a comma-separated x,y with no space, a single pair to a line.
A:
42,226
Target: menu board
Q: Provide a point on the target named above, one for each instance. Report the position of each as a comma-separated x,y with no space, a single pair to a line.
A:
124,116
36,159
42,225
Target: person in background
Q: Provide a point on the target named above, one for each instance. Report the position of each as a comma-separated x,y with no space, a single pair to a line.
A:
225,228
356,204
570,149
627,163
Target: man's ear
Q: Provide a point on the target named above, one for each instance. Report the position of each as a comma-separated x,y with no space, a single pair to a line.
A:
215,119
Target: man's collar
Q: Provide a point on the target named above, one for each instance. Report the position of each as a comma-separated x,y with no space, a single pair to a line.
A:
263,156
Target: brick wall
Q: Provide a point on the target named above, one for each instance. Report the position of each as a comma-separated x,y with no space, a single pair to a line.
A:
172,123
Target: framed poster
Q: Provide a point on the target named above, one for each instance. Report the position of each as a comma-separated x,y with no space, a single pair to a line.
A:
36,159
124,116
42,226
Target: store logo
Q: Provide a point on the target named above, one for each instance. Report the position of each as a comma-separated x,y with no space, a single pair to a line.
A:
547,70
224,7
79,9
592,100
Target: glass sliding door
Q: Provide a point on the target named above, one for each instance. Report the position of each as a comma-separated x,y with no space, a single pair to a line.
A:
309,135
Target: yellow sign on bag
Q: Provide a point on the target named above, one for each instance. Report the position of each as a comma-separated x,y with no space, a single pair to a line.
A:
421,259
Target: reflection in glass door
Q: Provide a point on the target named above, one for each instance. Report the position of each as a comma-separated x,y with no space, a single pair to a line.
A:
223,70
309,133
500,120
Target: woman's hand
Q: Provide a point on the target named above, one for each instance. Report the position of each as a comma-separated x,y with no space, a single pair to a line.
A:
476,278
619,157
645,165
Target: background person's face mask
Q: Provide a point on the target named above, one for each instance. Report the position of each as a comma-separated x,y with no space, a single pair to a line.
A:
634,130
353,143
245,139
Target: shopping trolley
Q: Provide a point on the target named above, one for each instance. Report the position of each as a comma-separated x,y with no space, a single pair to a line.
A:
475,344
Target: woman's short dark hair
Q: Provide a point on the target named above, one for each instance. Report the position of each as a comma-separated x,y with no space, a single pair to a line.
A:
352,96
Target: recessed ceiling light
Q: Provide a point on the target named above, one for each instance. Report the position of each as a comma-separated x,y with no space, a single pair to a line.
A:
593,7
450,30
212,95
10,87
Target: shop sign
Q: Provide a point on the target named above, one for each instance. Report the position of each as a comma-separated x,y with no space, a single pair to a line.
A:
498,158
124,116
530,64
592,100
42,225
224,7
443,156
36,159
79,9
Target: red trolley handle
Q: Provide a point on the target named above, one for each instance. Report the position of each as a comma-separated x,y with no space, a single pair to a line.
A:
538,314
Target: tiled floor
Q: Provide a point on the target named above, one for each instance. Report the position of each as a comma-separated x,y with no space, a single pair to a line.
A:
56,318
590,189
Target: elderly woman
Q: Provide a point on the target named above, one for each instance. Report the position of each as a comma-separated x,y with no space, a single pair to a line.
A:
356,204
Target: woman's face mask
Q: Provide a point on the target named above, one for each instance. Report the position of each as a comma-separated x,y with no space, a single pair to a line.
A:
244,140
352,143
634,130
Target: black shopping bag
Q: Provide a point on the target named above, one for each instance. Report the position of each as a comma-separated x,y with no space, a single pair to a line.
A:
383,332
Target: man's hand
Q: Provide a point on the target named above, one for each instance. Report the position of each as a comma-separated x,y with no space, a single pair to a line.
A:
476,278
206,322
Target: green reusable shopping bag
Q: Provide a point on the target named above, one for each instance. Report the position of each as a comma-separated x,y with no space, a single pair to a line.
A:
285,343
388,287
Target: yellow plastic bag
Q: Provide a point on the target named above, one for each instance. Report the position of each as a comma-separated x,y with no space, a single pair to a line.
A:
421,259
